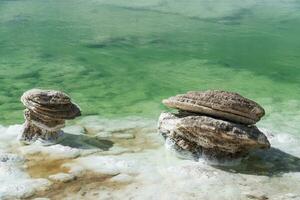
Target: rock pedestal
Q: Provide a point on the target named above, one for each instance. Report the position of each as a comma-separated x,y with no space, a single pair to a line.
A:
214,124
45,114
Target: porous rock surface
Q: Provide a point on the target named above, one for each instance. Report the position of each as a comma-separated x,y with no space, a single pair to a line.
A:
226,105
211,137
215,124
45,114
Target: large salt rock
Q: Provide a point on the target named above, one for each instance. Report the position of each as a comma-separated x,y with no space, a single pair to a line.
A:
217,138
221,104
45,114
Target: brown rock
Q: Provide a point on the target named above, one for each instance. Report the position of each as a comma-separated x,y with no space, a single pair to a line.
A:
46,97
45,114
221,104
31,133
182,145
47,102
50,124
217,138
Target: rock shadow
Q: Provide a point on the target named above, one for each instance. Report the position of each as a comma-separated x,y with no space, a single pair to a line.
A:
85,142
271,162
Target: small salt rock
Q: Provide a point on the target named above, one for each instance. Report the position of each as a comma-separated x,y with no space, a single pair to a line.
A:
222,104
74,129
45,115
121,178
123,136
94,128
62,177
104,135
74,170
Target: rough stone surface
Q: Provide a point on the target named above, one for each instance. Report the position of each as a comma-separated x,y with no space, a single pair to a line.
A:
221,104
217,138
50,104
46,97
45,114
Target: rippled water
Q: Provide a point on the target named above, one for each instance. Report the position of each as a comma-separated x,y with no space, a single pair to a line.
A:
122,57
117,59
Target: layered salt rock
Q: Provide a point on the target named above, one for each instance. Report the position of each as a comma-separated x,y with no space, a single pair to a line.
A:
215,138
221,104
213,123
45,114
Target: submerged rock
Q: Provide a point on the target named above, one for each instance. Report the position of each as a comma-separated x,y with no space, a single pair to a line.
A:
221,104
45,114
203,135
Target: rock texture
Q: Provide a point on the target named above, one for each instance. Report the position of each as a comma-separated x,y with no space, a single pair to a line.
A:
45,114
213,137
226,105
214,124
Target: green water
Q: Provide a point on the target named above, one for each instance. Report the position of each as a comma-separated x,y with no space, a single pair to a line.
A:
120,58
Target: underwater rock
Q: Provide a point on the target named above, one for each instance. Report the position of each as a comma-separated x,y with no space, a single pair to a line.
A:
210,137
221,104
45,114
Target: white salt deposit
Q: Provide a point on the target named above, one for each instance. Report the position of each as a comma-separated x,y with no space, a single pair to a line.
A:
62,177
9,135
15,182
55,151
108,165
74,129
144,169
122,178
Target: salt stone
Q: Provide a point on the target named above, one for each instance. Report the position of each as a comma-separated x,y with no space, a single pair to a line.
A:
45,114
211,136
122,178
213,124
226,105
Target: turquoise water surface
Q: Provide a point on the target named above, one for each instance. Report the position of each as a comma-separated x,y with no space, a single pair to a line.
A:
120,58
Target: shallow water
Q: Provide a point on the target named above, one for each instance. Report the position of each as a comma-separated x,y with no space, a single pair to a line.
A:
118,59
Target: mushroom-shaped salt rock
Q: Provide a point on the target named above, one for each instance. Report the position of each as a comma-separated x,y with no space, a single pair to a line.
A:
221,104
45,114
211,137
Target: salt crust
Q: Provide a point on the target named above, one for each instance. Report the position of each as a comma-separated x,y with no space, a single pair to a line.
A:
62,177
148,174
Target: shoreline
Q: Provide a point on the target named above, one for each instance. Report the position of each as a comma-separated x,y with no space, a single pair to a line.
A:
135,157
